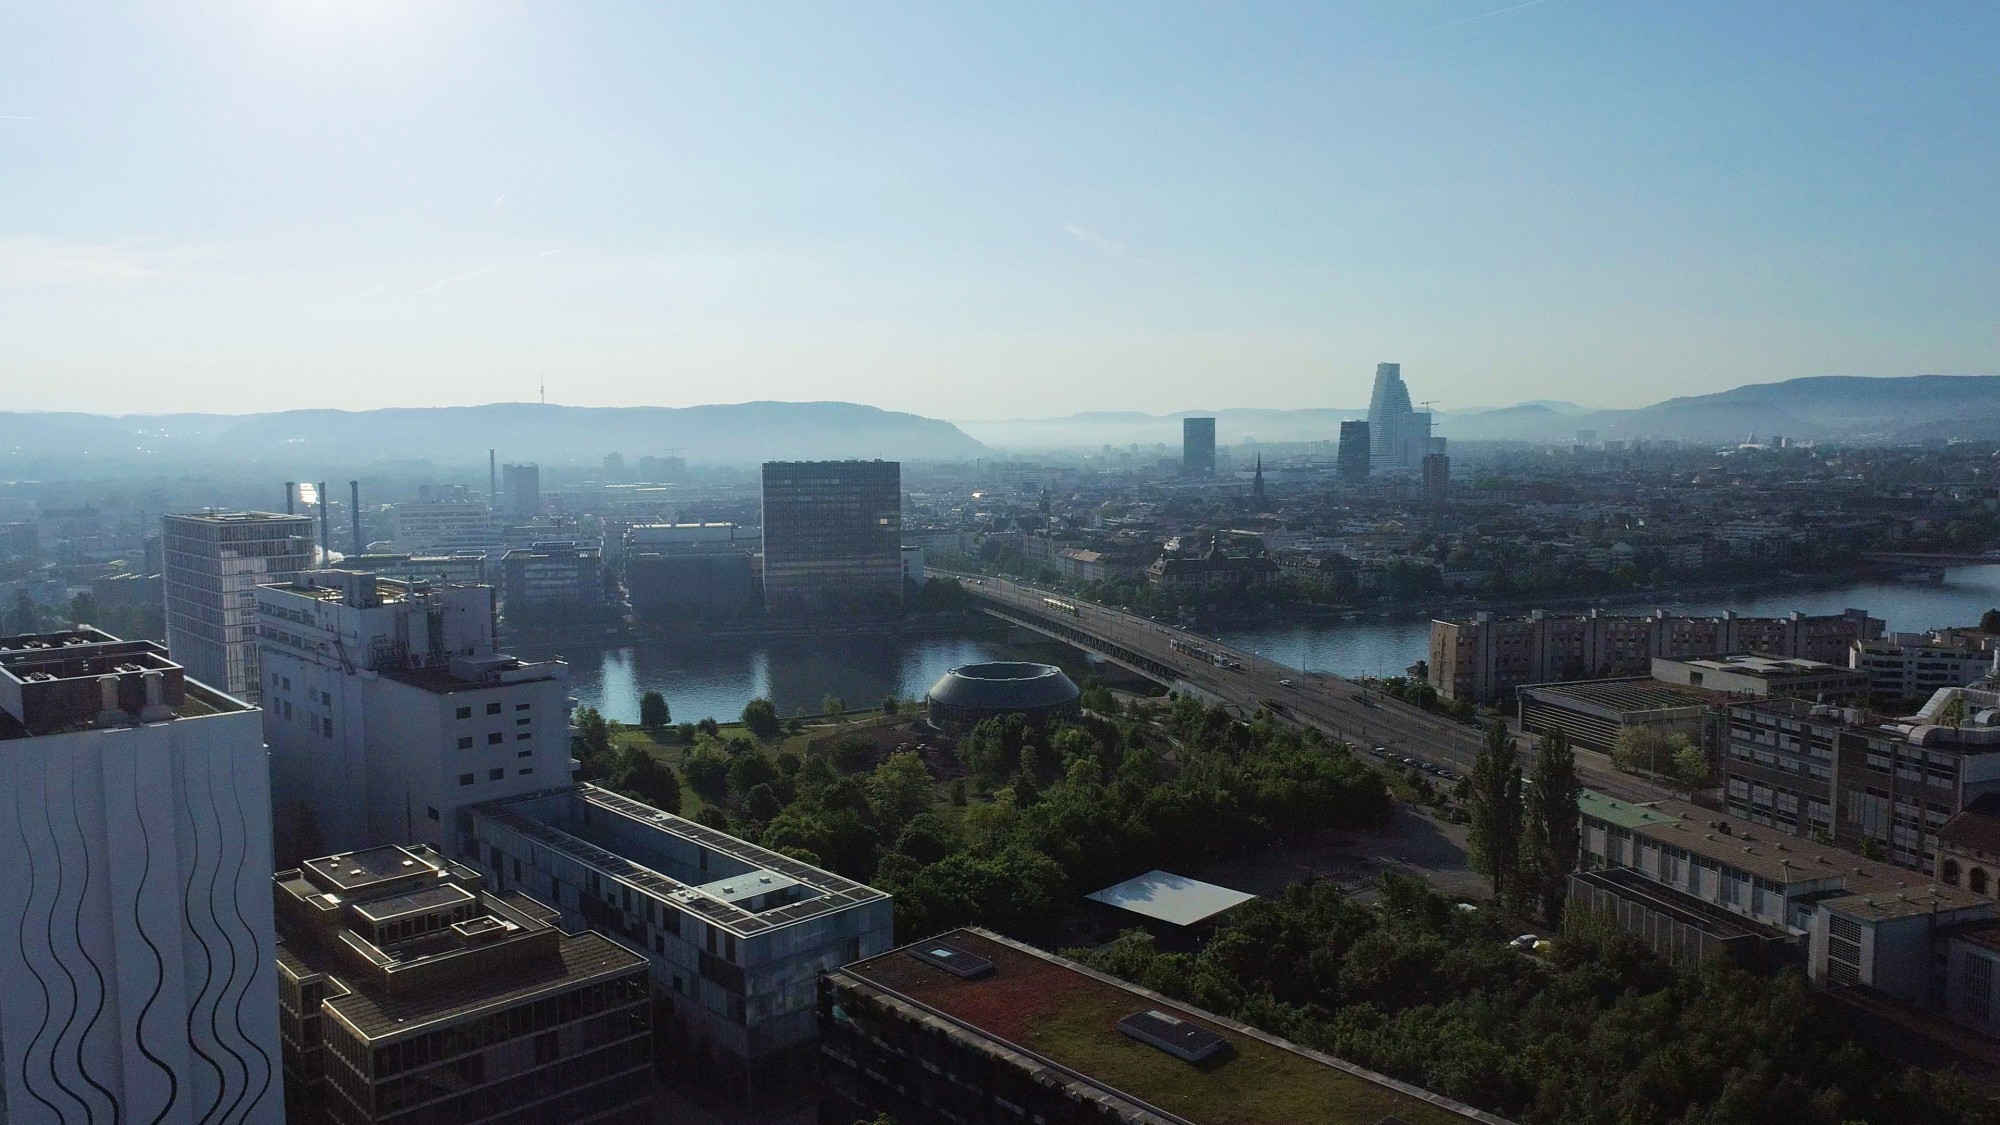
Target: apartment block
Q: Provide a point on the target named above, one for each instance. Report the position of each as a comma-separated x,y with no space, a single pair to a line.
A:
411,995
388,709
1485,658
136,979
737,934
211,566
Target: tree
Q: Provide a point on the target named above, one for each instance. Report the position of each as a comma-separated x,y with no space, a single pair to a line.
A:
1689,767
832,706
593,734
750,769
761,717
1989,622
707,772
900,788
891,705
653,712
1495,835
648,779
1643,749
83,611
1553,836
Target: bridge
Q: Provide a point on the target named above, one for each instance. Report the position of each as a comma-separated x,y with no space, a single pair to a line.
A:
1212,670
1937,558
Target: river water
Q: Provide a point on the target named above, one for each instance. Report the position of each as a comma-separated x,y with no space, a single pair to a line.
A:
715,678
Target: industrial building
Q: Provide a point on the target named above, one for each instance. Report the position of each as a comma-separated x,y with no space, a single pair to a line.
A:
737,934
134,885
1764,677
833,538
1592,713
1197,447
969,1026
410,994
212,564
389,708
971,693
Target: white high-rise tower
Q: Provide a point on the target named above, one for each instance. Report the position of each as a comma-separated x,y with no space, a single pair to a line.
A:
1398,435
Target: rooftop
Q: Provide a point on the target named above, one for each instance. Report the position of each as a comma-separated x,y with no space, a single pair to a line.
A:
84,678
1641,693
1171,898
1062,1020
217,516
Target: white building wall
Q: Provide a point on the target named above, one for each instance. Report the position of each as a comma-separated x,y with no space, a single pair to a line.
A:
138,982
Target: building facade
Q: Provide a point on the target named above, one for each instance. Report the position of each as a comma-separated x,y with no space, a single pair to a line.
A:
695,572
1484,658
1913,665
737,934
1198,447
833,538
389,708
1353,453
1437,475
1749,675
553,578
211,566
411,995
521,491
137,982
424,527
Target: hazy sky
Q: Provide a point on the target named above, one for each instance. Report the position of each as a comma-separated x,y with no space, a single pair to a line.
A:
978,211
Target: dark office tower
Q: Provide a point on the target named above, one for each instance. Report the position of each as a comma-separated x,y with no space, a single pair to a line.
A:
1198,447
1354,451
833,538
521,486
1437,474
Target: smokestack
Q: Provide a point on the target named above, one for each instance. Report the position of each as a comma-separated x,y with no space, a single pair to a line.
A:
325,526
291,490
492,480
354,503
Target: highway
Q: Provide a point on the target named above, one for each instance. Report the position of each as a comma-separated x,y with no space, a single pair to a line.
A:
1338,707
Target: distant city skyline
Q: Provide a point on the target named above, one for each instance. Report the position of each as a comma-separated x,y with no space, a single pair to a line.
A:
978,214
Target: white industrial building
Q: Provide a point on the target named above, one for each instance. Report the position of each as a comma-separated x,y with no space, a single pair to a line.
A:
138,981
389,708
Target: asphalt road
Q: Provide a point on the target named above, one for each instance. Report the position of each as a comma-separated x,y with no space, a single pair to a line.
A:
1336,706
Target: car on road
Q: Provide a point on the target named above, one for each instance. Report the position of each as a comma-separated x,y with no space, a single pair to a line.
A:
1284,683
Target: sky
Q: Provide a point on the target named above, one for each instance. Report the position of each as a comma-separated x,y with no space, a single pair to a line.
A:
988,211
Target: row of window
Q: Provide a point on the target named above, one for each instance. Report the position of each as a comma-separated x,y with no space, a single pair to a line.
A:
494,774
494,709
465,741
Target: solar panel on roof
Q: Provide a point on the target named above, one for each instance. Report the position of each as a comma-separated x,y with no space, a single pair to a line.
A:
1188,1042
952,959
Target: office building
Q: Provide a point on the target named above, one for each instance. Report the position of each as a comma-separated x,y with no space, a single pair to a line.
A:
521,491
552,580
411,994
1913,665
1399,436
1198,447
737,934
425,527
970,1026
662,470
136,979
464,568
1353,455
1484,658
833,538
212,564
389,708
1437,475
1749,675
690,572
1859,779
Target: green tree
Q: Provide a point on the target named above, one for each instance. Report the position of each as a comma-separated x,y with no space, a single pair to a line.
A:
1495,832
760,716
707,772
1643,749
832,706
654,715
1689,768
593,734
891,705
1989,622
900,788
648,779
83,610
1552,833
750,769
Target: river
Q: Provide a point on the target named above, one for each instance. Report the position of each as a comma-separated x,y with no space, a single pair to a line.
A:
715,678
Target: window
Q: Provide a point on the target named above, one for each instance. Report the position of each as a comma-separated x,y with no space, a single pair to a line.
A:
1976,882
523,736
525,771
288,683
465,779
465,742
493,708
524,753
522,722
286,706
522,706
430,812
465,712
495,774
495,739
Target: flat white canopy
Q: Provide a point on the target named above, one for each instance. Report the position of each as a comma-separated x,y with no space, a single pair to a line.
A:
1171,898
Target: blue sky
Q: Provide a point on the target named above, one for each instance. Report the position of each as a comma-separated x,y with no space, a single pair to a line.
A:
988,211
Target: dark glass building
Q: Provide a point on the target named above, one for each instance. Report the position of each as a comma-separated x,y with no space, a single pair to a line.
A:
1198,447
833,538
1354,451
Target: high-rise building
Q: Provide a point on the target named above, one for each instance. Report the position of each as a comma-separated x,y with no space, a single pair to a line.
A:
213,563
136,980
833,538
1398,435
1198,447
521,490
388,708
1354,453
1437,475
412,994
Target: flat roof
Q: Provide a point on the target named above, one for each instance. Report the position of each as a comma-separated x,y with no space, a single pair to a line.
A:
1640,693
1171,898
1059,1020
1769,667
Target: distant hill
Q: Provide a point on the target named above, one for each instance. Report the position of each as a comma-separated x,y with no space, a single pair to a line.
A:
738,433
1129,427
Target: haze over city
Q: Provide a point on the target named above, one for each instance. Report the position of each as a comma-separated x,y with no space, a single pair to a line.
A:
986,214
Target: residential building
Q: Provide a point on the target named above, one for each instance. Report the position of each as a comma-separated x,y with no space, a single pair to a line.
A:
833,538
136,980
1593,713
1913,665
1764,677
560,577
970,1026
422,527
1198,447
1968,847
1353,457
1216,568
1485,657
737,934
411,994
212,564
521,491
389,709
1399,436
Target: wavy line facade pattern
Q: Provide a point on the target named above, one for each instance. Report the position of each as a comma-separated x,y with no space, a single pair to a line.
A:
138,984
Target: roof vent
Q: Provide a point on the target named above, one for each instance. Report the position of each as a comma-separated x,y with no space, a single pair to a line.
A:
953,960
1186,1041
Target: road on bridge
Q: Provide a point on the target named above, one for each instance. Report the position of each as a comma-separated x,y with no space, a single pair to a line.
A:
1338,707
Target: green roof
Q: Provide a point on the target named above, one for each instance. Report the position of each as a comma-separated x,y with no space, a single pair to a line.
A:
1624,814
